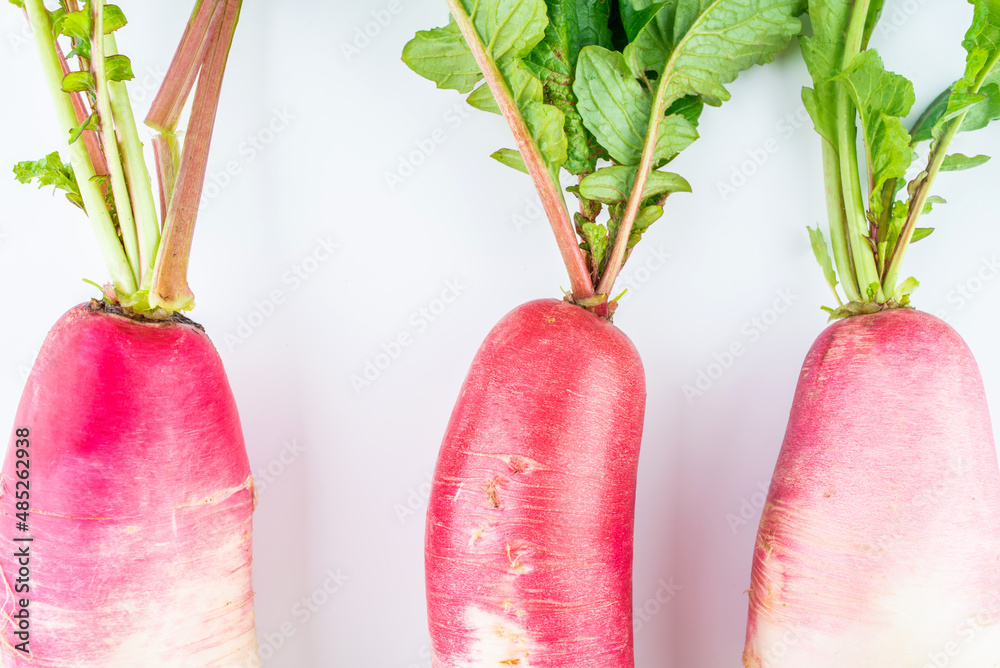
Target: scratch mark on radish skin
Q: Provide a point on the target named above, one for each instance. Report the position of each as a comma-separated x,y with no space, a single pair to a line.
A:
459,491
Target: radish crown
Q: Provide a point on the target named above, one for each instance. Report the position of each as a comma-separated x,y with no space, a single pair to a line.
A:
106,176
872,225
583,83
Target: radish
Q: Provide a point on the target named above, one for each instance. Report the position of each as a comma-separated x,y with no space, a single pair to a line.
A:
879,544
126,488
529,526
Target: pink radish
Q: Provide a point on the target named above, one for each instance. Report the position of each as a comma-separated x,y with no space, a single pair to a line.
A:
880,540
126,490
140,519
529,528
879,543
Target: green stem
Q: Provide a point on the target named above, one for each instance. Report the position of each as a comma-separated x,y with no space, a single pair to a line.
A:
545,182
862,256
917,203
136,172
169,288
939,151
121,272
838,223
620,249
119,186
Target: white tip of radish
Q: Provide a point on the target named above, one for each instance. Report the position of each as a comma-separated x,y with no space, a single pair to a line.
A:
499,642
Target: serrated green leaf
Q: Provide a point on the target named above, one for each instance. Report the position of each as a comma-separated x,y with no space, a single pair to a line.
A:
119,68
77,25
646,217
614,106
958,162
526,87
508,28
676,134
716,40
511,158
547,127
823,53
649,49
596,237
573,25
50,171
114,19
822,254
881,98
985,111
612,185
442,56
924,127
78,81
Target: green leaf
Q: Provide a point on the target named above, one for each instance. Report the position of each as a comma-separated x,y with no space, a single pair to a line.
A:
649,50
17,3
928,206
526,87
958,162
822,254
442,56
881,98
573,25
716,40
921,233
77,25
78,81
114,19
92,122
985,111
646,217
119,68
612,185
51,171
676,134
823,53
511,158
509,28
905,289
596,237
924,127
614,106
547,127
634,18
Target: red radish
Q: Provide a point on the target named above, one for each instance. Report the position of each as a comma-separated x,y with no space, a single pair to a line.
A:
529,527
880,541
141,521
126,490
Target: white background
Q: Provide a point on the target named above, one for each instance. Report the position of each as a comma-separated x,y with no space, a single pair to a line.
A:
349,119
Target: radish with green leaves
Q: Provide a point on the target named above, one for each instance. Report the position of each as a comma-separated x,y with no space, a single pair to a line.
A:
529,527
126,480
879,544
